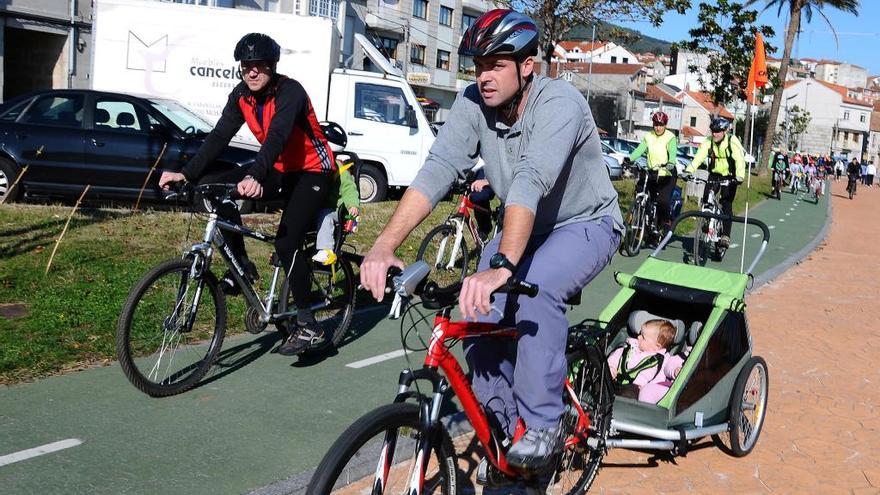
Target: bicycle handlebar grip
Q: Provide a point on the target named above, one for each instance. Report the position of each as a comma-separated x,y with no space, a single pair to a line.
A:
516,286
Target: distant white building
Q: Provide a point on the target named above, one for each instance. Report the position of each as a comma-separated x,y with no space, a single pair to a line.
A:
602,52
842,73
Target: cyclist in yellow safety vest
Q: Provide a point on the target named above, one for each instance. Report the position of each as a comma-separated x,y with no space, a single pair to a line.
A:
725,160
662,149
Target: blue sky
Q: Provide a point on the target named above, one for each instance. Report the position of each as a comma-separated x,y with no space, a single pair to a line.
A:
859,36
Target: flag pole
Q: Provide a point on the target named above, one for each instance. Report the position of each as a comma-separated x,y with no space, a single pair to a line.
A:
742,260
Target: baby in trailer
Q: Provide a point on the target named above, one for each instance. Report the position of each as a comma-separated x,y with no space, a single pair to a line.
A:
643,366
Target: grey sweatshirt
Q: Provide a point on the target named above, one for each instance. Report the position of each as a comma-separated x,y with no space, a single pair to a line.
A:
549,161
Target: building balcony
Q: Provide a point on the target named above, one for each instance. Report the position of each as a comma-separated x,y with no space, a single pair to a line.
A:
385,22
477,5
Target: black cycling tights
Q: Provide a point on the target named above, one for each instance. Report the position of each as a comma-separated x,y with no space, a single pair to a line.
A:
726,195
660,189
303,195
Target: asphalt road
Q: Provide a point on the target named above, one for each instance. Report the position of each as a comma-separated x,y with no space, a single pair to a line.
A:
260,421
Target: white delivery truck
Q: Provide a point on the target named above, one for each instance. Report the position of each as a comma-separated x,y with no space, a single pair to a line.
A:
184,52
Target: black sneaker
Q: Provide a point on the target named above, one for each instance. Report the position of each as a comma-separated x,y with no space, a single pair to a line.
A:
300,340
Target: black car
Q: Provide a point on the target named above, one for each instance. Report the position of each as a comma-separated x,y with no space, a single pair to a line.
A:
72,138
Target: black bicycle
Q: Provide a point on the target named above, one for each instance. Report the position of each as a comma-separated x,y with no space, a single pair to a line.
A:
641,219
851,183
173,323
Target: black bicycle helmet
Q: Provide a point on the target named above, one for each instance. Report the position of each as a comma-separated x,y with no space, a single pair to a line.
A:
719,124
500,32
335,135
257,46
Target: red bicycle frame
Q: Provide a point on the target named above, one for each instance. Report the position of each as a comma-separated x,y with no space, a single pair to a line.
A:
465,205
440,357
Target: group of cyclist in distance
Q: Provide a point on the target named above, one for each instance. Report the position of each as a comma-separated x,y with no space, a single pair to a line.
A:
543,159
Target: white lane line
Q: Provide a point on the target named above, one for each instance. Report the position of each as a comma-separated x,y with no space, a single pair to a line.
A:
788,214
781,219
734,245
363,363
771,226
38,451
756,235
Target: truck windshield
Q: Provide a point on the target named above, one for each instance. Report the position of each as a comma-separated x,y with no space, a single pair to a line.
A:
181,116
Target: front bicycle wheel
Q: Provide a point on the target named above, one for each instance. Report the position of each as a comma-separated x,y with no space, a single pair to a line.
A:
332,300
579,463
635,230
449,261
381,453
700,250
169,331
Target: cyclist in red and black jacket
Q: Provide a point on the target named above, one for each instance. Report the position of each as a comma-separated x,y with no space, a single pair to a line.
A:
295,163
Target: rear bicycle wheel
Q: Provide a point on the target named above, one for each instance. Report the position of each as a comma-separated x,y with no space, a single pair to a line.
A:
449,263
635,230
169,333
332,300
579,463
380,452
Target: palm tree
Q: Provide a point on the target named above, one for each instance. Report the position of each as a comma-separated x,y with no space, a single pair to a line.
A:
796,8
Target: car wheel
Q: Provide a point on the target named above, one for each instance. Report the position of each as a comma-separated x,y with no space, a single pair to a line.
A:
8,174
372,184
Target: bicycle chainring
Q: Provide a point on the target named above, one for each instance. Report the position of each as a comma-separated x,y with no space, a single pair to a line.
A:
252,321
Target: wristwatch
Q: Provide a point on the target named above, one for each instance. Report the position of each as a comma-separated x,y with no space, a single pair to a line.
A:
498,260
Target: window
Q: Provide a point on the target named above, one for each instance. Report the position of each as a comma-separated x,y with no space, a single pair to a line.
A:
466,21
862,118
389,45
12,114
613,60
626,60
417,54
66,111
116,115
420,9
693,121
380,104
846,136
324,8
845,115
466,65
445,16
442,59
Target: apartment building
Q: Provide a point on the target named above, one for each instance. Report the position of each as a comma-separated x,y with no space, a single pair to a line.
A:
842,73
45,44
422,36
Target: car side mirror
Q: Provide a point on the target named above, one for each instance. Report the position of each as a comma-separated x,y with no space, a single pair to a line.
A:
411,120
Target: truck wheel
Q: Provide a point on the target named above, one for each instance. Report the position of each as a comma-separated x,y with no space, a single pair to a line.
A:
372,184
8,174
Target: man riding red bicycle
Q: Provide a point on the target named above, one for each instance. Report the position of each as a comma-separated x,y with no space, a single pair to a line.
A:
561,222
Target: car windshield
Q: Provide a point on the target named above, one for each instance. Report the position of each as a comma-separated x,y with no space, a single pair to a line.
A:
181,116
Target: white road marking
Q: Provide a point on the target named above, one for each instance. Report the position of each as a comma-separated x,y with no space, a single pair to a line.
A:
734,245
788,214
38,451
781,219
756,235
363,363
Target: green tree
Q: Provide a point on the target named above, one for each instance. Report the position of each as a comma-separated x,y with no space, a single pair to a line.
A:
557,17
793,127
795,9
725,32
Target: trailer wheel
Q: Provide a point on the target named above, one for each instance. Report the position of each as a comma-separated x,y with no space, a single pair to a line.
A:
748,407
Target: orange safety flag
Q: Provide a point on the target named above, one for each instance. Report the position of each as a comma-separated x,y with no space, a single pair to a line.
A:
758,72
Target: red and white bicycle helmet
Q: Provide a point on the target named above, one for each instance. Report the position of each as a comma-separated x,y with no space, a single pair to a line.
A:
660,118
500,32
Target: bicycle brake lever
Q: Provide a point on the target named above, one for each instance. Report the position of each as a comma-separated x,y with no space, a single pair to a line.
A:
396,307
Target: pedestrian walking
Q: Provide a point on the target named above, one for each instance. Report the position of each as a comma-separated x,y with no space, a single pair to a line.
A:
864,171
838,169
870,170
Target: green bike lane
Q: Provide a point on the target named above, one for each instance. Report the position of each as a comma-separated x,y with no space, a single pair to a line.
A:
260,421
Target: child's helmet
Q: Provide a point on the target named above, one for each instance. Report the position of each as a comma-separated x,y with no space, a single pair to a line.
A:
335,135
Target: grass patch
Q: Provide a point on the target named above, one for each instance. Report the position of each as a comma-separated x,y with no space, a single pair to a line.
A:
70,313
